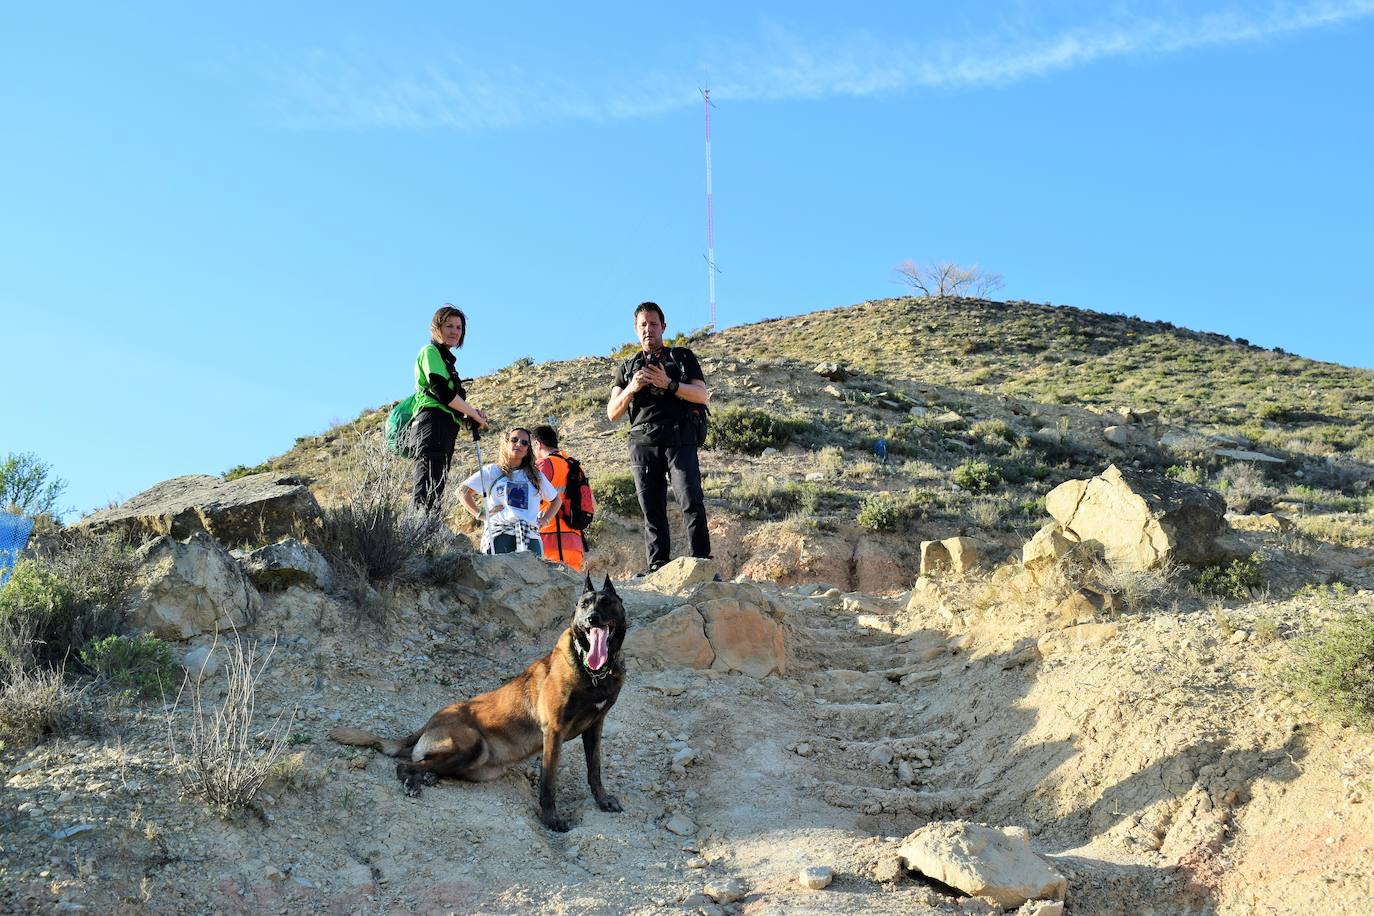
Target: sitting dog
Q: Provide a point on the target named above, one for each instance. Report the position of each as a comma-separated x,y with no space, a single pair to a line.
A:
565,694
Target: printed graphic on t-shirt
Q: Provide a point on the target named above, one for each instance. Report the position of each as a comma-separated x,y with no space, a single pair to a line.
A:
518,496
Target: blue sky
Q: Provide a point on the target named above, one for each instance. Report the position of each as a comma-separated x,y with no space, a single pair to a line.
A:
223,229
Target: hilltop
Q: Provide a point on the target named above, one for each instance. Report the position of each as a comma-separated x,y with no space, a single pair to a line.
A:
1136,728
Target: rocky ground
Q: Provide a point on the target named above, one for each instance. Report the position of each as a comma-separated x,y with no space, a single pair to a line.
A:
1150,759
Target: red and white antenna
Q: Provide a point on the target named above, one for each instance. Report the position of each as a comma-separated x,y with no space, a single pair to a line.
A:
710,217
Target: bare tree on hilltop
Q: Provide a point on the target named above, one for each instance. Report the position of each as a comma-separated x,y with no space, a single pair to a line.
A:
945,278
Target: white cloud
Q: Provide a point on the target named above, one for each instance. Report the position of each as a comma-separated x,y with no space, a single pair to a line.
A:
331,90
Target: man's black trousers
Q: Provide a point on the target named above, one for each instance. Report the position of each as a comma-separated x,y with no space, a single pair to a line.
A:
434,434
653,466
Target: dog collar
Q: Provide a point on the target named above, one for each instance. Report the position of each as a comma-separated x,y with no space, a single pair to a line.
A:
596,676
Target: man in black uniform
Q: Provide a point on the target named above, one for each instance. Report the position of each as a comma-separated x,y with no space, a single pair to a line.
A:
662,387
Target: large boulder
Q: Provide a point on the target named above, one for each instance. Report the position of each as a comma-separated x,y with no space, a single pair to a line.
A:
676,576
184,589
520,589
982,861
257,509
728,626
675,640
286,563
1142,519
1042,553
956,555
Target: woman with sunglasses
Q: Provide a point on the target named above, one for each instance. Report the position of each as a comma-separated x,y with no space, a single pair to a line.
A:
514,488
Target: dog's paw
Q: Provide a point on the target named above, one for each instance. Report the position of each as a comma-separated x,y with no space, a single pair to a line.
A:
609,803
556,823
429,778
412,789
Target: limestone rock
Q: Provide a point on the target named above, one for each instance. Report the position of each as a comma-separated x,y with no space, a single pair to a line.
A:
726,890
983,862
957,554
676,577
1042,552
1249,457
675,640
184,589
1077,638
745,637
520,589
201,662
1085,604
1142,519
257,509
832,371
1270,522
816,877
286,563
1129,436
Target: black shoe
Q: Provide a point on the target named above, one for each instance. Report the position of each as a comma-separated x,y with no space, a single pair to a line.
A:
653,568
717,578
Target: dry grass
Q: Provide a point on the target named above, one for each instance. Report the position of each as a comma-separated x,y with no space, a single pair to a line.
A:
221,754
36,704
1139,590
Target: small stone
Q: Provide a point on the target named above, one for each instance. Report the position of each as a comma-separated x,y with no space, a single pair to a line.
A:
696,900
684,757
726,890
888,869
681,825
803,750
816,877
882,755
696,862
905,774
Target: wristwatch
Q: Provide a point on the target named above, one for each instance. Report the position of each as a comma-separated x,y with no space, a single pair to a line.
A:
673,386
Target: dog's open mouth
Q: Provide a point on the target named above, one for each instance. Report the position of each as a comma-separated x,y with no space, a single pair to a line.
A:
596,648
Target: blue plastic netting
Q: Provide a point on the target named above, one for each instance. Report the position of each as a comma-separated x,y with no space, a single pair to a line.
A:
14,534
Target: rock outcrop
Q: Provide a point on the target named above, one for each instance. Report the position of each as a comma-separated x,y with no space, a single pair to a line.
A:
1142,519
520,589
286,563
727,626
184,589
257,509
956,555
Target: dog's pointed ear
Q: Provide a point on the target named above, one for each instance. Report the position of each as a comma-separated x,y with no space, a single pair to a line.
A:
606,587
588,587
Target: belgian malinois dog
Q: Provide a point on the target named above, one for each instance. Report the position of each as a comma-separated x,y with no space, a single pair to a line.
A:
562,695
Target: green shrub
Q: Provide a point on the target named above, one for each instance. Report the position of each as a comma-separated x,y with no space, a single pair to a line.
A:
749,431
1235,580
616,491
1186,473
1336,668
881,512
977,476
142,665
761,496
243,470
992,430
67,596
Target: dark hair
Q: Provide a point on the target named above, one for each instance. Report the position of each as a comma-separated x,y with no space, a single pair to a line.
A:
546,436
447,311
651,307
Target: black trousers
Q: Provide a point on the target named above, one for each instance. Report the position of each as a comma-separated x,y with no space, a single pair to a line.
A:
653,466
434,434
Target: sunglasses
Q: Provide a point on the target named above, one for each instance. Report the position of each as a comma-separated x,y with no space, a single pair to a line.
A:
516,440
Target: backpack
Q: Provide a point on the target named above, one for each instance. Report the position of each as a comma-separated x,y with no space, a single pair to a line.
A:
398,438
579,505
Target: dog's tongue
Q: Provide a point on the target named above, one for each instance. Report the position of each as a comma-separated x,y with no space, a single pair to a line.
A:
596,655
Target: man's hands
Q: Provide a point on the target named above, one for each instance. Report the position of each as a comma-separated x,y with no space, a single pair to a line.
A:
653,375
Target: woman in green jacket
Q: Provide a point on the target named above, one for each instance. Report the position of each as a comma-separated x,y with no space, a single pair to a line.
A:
440,407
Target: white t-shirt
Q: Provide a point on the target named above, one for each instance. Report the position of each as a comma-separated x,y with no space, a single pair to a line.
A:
511,501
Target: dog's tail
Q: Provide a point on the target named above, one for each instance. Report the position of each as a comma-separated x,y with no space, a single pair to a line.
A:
358,737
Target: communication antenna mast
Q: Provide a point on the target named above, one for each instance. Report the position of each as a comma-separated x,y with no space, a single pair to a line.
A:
710,217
